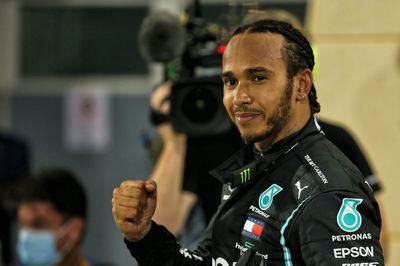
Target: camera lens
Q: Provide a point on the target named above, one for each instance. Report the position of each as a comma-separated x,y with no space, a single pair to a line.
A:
197,108
199,105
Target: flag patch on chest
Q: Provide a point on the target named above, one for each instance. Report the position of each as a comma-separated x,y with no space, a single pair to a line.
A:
253,228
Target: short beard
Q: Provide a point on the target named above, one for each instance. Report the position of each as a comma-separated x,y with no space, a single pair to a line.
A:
278,120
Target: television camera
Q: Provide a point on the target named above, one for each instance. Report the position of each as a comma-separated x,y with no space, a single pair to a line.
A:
192,57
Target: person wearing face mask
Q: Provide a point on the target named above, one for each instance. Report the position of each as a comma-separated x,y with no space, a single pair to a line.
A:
52,216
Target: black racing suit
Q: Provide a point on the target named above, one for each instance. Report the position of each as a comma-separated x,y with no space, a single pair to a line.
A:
341,137
300,203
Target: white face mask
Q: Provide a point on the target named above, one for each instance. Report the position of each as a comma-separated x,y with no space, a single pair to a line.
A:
37,248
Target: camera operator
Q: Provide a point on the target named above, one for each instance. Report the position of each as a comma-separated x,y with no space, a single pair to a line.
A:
174,203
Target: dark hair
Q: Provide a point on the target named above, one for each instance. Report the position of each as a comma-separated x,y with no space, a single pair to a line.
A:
298,51
58,186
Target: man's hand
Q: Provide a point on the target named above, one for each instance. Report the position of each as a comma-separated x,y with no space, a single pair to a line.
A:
160,102
134,203
159,99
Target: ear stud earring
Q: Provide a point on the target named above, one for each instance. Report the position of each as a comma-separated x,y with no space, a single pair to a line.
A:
302,96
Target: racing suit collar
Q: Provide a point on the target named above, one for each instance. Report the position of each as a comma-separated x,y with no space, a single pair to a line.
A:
245,165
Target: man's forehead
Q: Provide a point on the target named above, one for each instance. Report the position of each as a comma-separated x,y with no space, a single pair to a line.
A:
39,207
251,50
269,44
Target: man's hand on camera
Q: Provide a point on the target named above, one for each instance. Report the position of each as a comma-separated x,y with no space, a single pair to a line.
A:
159,99
160,103
133,206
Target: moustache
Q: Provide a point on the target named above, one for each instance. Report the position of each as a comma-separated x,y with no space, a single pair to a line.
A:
245,109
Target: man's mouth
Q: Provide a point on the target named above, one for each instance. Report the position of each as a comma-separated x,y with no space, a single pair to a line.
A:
245,117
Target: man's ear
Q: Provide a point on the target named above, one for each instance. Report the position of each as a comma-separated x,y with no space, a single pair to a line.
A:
303,84
74,229
77,225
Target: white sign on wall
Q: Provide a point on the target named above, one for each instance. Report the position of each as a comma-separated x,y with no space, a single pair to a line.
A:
87,119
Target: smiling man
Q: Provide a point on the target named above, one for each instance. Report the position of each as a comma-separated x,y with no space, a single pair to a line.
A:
290,197
261,100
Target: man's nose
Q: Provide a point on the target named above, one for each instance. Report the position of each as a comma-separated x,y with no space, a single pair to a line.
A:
242,95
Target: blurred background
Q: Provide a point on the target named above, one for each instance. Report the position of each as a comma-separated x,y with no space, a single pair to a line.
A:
75,87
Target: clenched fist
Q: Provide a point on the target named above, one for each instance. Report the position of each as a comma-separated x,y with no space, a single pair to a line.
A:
134,203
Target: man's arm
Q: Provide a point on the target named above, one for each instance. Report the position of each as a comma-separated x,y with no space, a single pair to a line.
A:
159,248
337,228
174,204
345,141
134,204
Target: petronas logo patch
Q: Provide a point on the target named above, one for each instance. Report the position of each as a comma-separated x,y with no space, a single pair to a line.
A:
348,218
267,196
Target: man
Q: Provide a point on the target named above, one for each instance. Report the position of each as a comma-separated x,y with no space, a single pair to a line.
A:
52,216
290,196
337,134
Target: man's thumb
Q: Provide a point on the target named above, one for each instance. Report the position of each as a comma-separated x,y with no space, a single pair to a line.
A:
151,186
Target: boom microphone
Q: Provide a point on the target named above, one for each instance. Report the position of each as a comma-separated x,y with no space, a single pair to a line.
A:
161,37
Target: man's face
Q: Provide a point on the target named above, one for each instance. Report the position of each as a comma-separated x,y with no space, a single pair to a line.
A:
257,93
41,215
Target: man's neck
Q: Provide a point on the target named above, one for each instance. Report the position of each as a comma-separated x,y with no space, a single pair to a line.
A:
74,258
289,129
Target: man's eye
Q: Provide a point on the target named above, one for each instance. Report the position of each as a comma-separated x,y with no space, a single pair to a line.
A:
230,82
259,78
